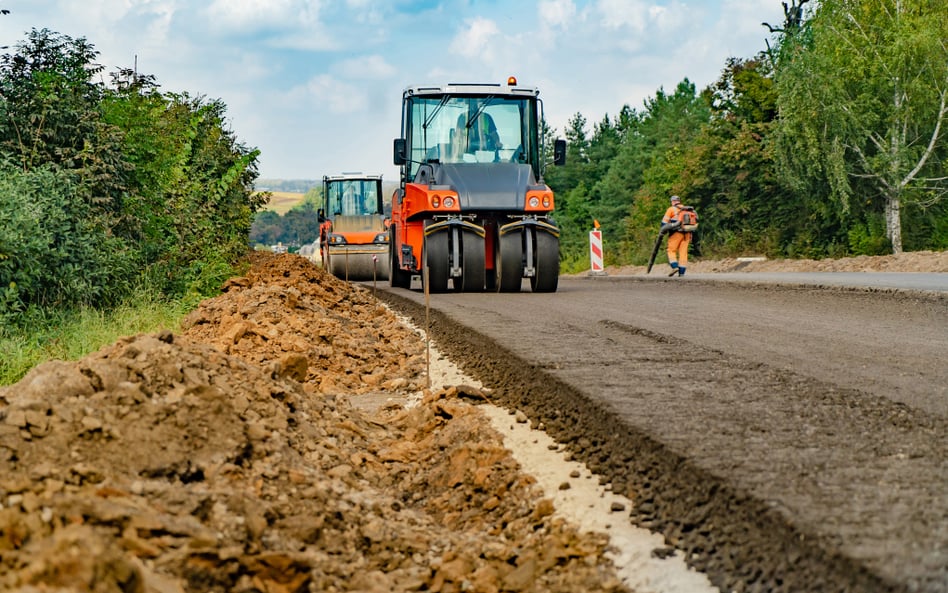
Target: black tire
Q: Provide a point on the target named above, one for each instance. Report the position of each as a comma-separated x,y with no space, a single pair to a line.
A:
546,262
397,277
436,257
473,268
508,262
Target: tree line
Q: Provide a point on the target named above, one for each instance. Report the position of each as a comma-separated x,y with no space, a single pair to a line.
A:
830,142
109,188
297,227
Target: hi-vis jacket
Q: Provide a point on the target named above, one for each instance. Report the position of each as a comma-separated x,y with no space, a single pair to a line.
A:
672,215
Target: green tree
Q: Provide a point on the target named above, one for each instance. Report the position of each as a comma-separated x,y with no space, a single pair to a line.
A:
54,249
72,176
652,161
301,225
116,184
563,179
730,171
49,106
192,203
863,99
267,228
312,198
569,184
49,102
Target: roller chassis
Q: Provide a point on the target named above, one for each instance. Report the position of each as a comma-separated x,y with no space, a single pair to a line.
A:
454,250
353,243
473,225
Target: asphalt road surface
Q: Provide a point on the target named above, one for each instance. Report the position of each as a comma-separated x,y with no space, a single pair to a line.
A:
782,437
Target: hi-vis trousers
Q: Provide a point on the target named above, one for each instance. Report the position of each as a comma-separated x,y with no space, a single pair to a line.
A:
678,248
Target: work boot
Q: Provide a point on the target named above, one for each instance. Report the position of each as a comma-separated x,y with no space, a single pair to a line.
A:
674,265
681,270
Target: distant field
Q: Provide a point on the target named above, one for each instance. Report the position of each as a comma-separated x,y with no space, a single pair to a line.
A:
282,201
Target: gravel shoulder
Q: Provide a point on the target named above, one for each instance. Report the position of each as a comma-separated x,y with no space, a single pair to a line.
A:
778,453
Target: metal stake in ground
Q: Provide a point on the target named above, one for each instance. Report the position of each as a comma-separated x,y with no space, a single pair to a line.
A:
424,281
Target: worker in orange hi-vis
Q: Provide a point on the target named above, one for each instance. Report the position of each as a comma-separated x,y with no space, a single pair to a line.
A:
679,221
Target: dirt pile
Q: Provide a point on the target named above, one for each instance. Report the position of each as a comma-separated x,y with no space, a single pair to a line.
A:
329,335
231,458
914,261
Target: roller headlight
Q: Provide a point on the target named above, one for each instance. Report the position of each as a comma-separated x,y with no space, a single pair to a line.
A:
448,202
381,238
534,202
337,240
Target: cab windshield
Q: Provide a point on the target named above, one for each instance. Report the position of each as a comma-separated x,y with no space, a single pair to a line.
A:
352,197
481,129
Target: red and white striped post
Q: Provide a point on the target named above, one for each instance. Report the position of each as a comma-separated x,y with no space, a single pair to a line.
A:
595,251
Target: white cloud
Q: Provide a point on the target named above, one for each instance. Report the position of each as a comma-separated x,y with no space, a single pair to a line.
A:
250,14
556,14
327,94
736,32
159,25
281,24
624,14
106,11
316,84
367,11
315,40
124,21
477,39
643,17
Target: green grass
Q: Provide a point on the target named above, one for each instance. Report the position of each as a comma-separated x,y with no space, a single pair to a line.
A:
70,335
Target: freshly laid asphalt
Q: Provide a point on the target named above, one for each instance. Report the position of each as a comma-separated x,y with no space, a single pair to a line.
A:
784,432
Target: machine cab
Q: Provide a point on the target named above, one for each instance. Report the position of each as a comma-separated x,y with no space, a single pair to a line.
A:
352,194
469,123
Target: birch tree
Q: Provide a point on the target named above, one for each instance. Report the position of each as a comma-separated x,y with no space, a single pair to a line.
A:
863,105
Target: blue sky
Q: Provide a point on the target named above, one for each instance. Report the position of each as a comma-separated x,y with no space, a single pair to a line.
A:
316,84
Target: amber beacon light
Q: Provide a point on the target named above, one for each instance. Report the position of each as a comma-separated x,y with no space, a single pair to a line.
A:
511,80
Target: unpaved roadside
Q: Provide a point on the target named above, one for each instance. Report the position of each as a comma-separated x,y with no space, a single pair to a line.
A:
910,261
231,458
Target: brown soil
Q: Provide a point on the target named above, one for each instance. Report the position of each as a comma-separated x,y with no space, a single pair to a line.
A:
915,261
241,455
233,457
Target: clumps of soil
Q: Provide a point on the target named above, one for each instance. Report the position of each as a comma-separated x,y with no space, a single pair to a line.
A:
231,458
329,335
913,261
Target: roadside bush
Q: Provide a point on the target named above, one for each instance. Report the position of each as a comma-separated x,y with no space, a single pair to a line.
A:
53,250
869,238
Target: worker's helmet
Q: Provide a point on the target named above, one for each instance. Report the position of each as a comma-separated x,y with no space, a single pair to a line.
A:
675,199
